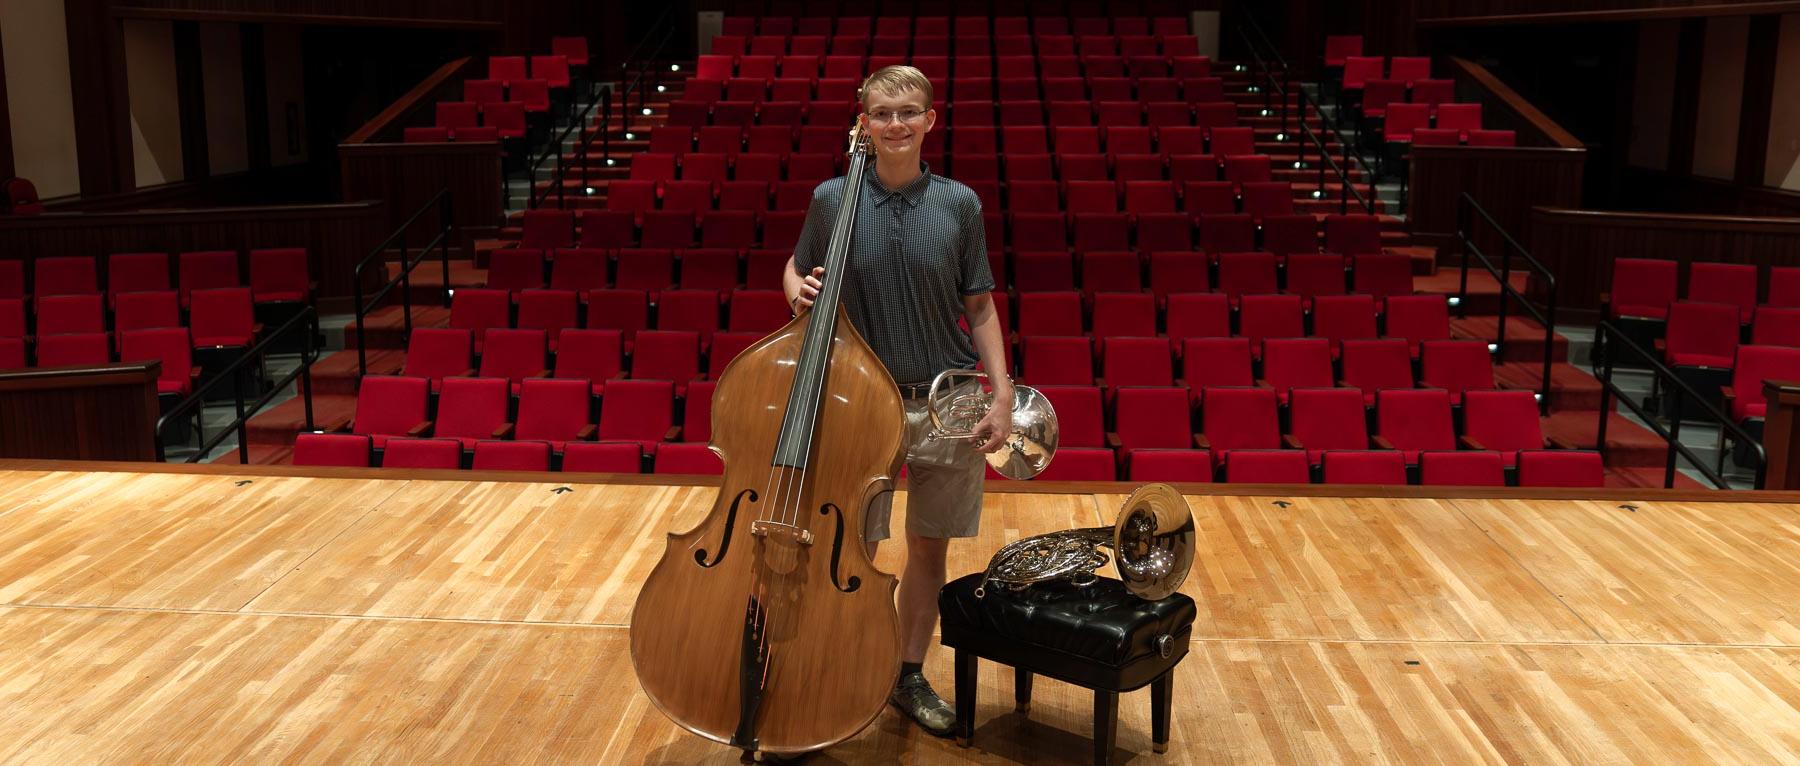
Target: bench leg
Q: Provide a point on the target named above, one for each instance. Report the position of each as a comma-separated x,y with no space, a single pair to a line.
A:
1106,725
1022,690
1162,698
966,673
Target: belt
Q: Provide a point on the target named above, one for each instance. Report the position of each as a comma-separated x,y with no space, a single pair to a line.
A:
915,390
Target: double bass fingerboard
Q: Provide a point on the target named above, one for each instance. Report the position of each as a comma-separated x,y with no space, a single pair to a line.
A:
797,426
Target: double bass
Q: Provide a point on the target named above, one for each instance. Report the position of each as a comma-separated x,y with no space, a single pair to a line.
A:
766,627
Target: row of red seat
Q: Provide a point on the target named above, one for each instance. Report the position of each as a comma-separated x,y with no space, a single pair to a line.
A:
276,274
1115,279
515,87
975,113
972,19
1461,468
356,451
965,102
223,316
1053,57
759,146
554,410
1644,288
172,346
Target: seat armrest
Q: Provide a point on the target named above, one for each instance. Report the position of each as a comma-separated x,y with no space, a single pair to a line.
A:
424,427
256,329
1381,442
1468,442
1100,382
1200,442
468,373
540,374
1726,395
338,426
1292,442
586,434
503,431
674,434
1112,441
1558,442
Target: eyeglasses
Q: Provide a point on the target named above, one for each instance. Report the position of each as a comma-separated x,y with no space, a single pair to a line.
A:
904,115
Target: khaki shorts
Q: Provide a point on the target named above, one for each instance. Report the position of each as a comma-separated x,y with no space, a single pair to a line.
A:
943,481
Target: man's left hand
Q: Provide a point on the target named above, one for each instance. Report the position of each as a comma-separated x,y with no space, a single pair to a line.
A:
996,426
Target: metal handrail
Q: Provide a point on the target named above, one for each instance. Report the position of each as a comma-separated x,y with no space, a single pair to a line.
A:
1682,391
1274,86
645,69
604,106
1465,206
445,234
308,354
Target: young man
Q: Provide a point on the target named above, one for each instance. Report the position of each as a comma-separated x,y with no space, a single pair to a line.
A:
918,263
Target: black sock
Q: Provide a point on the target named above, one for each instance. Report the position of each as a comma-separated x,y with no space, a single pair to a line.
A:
911,667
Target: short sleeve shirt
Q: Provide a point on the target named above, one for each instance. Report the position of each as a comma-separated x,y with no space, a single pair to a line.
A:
916,253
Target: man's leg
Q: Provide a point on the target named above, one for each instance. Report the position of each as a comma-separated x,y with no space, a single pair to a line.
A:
920,582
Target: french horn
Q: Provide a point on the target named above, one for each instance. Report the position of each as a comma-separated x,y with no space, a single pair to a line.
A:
1030,445
1152,542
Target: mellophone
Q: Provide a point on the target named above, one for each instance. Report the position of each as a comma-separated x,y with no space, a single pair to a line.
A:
737,634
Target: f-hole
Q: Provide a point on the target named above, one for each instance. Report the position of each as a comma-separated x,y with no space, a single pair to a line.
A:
725,539
837,551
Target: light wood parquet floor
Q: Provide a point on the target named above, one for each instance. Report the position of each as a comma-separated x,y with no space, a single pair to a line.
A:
169,618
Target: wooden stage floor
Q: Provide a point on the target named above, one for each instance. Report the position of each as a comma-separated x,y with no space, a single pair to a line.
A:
218,617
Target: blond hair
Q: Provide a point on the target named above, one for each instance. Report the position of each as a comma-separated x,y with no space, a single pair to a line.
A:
895,80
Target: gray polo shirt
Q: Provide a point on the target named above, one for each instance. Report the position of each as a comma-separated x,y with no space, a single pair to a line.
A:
916,253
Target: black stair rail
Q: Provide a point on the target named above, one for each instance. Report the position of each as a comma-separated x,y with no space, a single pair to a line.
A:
446,233
306,322
1674,386
1273,71
1466,209
601,106
647,66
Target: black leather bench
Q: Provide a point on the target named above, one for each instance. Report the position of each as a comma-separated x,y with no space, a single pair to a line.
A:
1097,636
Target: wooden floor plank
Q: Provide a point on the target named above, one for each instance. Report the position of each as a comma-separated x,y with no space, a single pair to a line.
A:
1359,568
503,551
166,540
98,685
1709,573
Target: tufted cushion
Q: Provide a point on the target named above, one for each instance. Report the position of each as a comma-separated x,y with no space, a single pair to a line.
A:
1099,623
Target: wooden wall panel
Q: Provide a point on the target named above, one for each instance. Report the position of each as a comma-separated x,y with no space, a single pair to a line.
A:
1480,12
1580,245
106,412
468,14
336,236
1507,182
405,176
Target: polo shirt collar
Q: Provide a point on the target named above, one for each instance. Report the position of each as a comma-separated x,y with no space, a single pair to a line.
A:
913,193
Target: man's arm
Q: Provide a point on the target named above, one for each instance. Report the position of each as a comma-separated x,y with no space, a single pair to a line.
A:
990,345
801,291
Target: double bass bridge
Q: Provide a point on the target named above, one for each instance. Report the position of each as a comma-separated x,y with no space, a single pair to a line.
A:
781,531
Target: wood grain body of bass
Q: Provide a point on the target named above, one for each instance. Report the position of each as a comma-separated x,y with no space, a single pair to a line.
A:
767,627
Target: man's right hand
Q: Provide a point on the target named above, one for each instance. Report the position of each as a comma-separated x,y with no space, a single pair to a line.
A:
809,289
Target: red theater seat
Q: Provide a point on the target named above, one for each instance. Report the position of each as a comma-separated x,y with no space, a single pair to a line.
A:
1267,466
512,456
1504,421
639,411
591,355
280,274
1641,287
1364,467
332,450
1462,468
1328,419
1414,420
436,353
422,453
387,407
688,458
1561,468
601,457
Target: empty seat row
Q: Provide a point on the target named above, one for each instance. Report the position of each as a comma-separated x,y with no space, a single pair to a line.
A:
1047,19
1644,288
977,113
557,411
596,355
966,92
1050,57
172,346
701,311
507,118
1021,143
222,316
276,274
1463,468
357,451
1368,364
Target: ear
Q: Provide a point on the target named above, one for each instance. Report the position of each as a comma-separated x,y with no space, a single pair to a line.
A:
930,120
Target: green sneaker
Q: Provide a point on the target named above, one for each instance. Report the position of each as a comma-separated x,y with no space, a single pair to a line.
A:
914,696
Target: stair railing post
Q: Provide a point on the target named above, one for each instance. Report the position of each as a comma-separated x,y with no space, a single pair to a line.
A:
449,217
405,288
1674,437
1606,385
237,393
306,362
